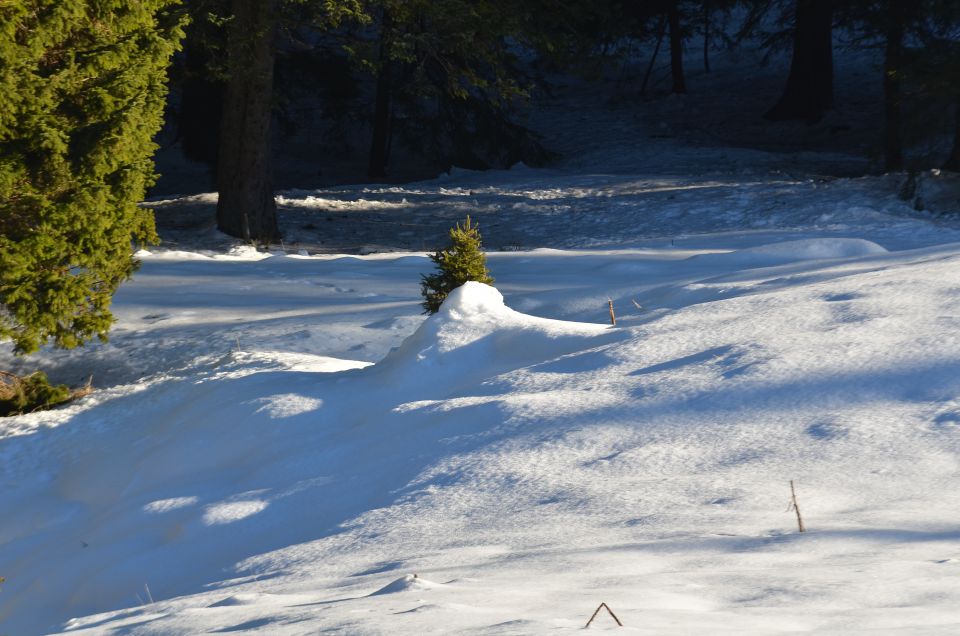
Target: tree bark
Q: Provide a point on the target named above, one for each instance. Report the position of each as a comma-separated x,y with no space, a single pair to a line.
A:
676,47
246,207
380,143
892,91
809,90
706,36
653,58
953,163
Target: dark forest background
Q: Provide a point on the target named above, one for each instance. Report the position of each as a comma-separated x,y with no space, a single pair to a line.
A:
254,96
307,93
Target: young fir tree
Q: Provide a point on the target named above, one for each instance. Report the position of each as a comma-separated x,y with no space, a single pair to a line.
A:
82,91
457,264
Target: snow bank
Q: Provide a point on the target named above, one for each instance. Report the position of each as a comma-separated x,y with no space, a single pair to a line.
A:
410,582
816,249
793,251
475,335
187,477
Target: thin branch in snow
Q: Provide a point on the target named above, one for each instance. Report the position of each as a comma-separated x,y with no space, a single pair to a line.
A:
597,611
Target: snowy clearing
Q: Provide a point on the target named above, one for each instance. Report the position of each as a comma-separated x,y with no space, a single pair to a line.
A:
282,441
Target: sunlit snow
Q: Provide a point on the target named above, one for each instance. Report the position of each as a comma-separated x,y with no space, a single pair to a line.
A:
283,443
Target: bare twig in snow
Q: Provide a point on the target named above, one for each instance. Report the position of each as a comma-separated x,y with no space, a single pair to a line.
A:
795,507
597,611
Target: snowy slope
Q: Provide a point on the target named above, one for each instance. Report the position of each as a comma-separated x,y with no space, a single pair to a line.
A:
282,444
522,458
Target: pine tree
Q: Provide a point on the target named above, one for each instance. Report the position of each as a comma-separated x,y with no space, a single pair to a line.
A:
246,207
676,47
808,93
461,262
450,70
82,91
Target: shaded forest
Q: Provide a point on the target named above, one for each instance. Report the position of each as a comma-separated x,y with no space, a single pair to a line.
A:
248,97
385,91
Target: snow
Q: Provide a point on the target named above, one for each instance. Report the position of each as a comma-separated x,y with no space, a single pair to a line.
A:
282,443
525,465
410,582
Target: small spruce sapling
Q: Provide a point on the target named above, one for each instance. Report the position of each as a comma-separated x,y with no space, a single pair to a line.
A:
461,262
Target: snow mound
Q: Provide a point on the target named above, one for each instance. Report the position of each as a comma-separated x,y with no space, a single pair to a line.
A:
809,249
243,253
302,361
239,600
407,583
792,251
475,332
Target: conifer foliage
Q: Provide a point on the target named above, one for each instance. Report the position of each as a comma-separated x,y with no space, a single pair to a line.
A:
82,92
461,262
31,393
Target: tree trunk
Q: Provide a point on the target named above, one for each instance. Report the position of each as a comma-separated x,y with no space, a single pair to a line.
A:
892,93
380,143
809,89
653,58
246,207
706,36
676,47
953,163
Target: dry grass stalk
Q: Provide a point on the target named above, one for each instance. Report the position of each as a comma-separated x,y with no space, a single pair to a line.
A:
10,385
82,391
795,507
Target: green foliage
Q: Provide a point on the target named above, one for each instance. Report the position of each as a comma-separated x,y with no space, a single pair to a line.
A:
457,264
82,91
28,394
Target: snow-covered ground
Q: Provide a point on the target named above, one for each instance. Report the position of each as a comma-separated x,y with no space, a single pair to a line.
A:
247,470
282,443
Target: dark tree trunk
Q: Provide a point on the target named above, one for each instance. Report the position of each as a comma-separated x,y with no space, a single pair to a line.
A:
809,90
953,163
676,47
380,143
892,92
246,208
706,36
653,58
